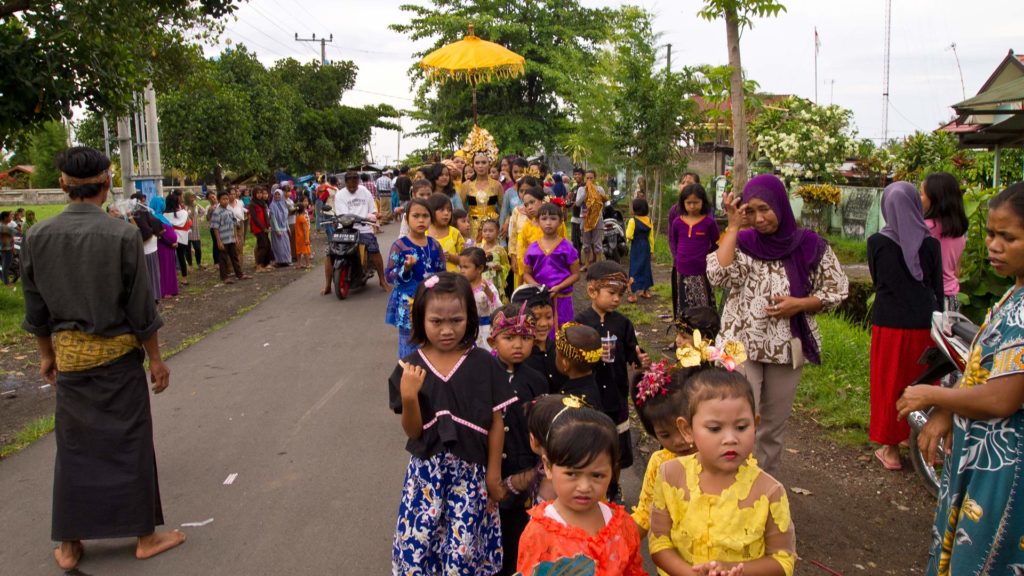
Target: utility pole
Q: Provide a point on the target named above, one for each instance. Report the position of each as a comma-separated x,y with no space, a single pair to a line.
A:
885,80
323,45
153,138
124,140
668,64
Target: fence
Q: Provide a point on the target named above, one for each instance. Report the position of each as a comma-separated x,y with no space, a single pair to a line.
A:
57,196
858,214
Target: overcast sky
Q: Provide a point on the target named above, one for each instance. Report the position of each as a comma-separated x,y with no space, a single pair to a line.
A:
777,53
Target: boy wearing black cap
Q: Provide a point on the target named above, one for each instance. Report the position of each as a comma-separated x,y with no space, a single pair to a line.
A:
542,357
606,284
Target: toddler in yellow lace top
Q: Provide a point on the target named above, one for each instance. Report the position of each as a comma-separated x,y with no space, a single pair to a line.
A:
716,513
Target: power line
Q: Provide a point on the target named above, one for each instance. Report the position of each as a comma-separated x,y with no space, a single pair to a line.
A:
382,94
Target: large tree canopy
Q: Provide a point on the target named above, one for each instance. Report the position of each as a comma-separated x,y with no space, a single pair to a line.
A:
91,53
558,38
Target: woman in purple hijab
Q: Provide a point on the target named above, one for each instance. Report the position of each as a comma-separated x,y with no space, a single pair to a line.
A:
906,268
777,279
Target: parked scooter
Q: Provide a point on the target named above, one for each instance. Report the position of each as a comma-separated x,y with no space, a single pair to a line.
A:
614,241
347,253
952,334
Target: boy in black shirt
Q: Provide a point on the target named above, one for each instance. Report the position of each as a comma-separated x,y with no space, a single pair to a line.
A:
577,348
512,332
606,284
542,356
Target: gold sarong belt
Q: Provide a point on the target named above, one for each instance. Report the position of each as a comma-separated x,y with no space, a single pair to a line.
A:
78,351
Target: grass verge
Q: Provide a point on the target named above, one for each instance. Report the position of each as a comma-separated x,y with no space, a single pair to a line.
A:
30,433
848,250
835,394
12,311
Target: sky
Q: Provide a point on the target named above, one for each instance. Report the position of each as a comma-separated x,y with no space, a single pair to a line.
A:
777,53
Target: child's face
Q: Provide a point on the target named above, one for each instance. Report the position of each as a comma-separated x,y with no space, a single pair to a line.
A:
493,173
723,430
422,193
549,224
671,437
580,489
469,269
445,322
517,172
512,349
223,200
543,319
693,205
463,225
532,205
684,339
605,299
418,218
443,216
489,232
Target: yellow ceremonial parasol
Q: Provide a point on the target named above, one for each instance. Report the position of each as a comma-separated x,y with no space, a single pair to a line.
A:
473,60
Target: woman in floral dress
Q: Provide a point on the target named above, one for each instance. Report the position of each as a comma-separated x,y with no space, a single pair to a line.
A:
979,522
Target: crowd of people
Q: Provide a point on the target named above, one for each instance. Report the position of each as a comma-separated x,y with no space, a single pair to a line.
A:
514,390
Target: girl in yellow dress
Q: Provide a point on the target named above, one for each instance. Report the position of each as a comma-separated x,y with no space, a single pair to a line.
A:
530,231
716,511
440,229
497,258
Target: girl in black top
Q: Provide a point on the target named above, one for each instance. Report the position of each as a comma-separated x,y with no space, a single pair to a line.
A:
450,395
906,268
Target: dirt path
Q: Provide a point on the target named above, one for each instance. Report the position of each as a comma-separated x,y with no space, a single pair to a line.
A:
851,516
203,305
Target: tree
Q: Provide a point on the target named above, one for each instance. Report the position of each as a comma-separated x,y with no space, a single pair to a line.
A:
44,145
558,39
737,14
805,141
93,53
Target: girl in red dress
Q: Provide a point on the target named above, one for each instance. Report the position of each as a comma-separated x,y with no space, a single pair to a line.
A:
581,453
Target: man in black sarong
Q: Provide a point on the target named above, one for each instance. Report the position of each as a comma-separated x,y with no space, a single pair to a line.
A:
88,302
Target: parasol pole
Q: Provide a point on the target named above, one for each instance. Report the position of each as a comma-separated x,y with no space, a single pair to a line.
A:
472,83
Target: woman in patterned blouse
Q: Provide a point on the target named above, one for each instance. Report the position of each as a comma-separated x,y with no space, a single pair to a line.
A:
780,276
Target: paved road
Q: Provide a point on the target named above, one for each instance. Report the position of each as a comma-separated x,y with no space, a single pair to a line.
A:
291,398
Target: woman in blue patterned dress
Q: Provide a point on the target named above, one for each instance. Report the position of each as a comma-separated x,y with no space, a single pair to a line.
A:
979,522
412,258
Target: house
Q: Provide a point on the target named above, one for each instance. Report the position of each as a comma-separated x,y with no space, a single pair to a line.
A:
16,177
994,118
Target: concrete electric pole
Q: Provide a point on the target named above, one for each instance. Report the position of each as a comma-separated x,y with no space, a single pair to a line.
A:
323,45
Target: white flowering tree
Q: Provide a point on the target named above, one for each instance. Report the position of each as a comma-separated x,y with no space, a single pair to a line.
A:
805,141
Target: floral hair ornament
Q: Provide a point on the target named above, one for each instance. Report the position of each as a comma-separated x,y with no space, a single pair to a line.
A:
574,353
730,355
520,325
432,281
654,383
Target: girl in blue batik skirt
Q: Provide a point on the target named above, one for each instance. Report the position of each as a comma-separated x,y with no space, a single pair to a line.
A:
413,257
450,395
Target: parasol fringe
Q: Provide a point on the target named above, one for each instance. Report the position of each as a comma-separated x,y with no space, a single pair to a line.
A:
475,75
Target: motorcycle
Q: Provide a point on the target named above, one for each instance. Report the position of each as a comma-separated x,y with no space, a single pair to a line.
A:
347,254
613,242
952,334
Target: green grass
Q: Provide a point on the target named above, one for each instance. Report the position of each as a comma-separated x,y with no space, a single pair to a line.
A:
835,394
43,211
662,254
32,431
12,311
849,250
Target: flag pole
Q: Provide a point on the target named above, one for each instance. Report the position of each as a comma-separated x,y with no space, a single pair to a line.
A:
815,64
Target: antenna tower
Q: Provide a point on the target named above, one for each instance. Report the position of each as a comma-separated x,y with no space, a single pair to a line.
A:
963,89
885,80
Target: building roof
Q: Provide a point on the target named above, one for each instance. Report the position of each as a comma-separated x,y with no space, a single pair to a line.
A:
995,116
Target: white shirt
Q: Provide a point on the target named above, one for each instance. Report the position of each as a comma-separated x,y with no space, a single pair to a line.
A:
291,206
237,208
178,219
361,203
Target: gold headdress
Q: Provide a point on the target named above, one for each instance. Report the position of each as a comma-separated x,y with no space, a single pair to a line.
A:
479,140
571,352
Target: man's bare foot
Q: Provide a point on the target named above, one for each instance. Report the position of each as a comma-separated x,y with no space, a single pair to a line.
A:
385,286
158,542
325,291
68,554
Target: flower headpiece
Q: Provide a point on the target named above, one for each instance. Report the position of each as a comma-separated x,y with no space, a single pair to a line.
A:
520,325
654,383
478,140
730,355
571,352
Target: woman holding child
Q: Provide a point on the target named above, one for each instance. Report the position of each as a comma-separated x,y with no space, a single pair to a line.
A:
779,276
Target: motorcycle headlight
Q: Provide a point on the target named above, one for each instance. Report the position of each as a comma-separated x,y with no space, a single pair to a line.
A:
346,221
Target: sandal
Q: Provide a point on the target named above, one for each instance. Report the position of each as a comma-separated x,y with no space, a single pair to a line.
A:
887,465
